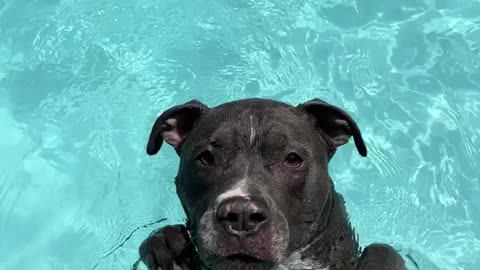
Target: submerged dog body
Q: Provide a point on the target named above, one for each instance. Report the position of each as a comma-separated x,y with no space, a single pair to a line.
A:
254,183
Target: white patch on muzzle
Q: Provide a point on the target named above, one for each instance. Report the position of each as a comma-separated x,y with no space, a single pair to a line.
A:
237,191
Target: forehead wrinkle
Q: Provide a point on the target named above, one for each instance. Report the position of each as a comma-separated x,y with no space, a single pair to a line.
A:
232,128
276,137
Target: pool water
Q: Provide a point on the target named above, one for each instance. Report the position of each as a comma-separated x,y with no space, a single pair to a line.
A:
81,83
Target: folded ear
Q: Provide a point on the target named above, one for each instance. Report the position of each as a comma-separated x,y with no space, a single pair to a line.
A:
337,124
174,124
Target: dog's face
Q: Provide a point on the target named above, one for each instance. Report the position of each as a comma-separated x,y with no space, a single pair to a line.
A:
253,176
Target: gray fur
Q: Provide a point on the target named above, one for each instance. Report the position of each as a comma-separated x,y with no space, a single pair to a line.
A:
251,143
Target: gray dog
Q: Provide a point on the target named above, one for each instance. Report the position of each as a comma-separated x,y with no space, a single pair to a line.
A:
254,183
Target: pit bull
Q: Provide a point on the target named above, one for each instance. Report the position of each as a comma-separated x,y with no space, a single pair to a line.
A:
254,183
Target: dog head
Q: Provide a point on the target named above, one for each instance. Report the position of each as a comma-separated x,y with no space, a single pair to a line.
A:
253,176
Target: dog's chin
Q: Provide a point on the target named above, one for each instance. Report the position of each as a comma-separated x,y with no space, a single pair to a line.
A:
249,253
260,251
240,261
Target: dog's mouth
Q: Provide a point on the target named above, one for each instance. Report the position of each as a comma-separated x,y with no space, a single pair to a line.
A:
243,258
238,261
243,261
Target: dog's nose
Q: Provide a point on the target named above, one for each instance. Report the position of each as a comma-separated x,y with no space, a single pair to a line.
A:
241,217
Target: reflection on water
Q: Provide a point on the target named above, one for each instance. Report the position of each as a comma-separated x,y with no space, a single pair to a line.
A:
81,82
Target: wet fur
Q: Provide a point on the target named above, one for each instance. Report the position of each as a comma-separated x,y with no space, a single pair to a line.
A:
309,220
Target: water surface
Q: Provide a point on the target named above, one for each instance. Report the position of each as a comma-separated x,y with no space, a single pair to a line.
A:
81,83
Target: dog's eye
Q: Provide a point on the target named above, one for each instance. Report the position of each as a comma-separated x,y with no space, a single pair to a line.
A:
206,158
293,160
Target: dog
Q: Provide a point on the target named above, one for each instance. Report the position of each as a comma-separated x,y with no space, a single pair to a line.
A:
253,181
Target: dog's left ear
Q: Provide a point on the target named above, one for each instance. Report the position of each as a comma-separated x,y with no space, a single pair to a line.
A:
174,124
337,124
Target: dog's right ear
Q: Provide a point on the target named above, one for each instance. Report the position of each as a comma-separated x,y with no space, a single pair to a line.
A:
174,124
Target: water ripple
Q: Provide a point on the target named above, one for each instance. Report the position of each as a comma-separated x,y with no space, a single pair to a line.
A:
81,83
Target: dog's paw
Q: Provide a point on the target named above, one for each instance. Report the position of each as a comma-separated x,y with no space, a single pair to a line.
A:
170,248
381,257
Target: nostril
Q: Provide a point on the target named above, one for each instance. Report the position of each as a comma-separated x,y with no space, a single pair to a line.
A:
231,217
257,217
241,217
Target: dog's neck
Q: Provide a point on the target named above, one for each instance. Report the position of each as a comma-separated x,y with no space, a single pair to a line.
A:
334,247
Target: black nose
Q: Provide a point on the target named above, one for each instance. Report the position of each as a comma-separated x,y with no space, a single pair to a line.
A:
241,217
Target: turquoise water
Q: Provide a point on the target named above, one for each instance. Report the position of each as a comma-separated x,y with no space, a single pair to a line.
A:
81,82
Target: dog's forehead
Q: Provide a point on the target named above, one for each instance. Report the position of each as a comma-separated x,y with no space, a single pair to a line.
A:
247,121
251,111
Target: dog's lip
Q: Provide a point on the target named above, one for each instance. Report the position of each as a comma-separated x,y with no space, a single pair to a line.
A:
239,260
244,258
